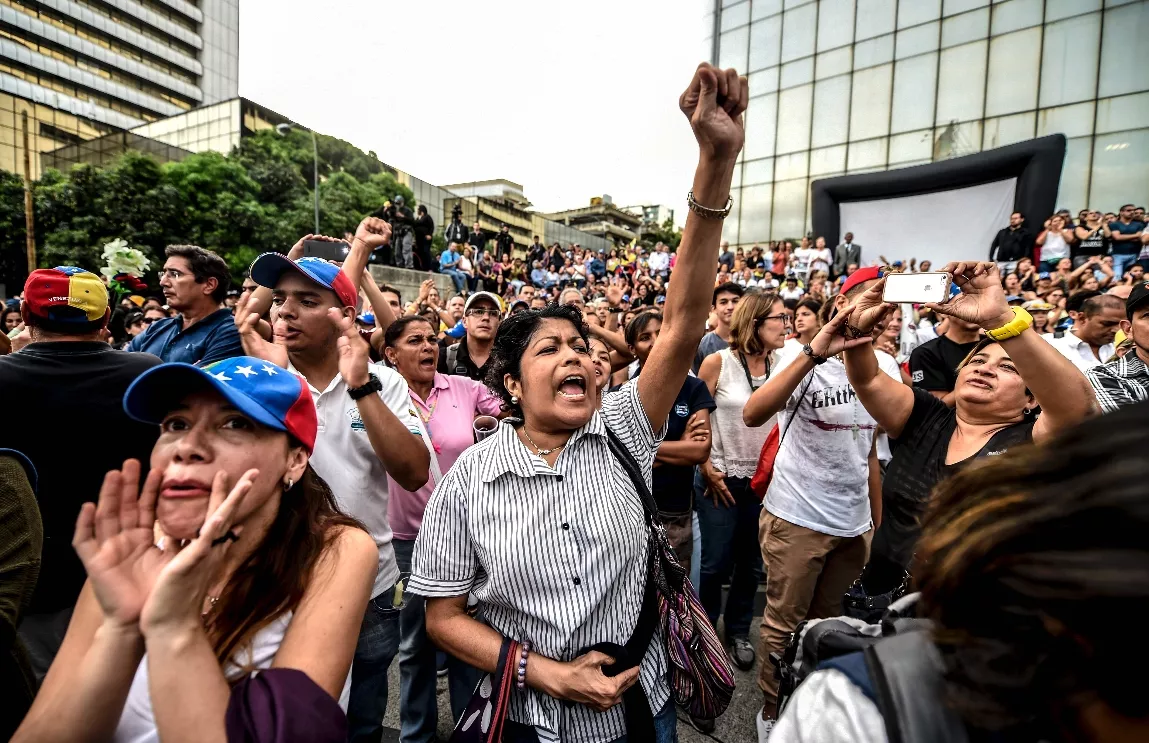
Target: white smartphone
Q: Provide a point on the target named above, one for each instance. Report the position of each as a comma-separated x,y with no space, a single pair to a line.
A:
917,288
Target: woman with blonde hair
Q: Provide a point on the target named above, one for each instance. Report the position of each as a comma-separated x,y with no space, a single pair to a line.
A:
728,517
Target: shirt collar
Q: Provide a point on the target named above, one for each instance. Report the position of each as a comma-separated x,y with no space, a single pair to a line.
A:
510,455
315,392
1077,342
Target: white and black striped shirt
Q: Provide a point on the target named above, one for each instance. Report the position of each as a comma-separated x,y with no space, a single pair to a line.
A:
556,556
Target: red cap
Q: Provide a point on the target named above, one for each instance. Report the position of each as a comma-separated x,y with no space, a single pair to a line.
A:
861,276
66,294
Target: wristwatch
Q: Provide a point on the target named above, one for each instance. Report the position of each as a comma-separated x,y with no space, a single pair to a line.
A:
373,385
806,349
1015,327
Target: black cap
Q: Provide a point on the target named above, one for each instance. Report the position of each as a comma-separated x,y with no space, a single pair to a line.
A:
1139,294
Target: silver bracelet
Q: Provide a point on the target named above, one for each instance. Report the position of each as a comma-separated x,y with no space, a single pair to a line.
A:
706,212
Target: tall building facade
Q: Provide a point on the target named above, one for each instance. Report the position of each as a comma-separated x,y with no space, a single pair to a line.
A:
84,69
851,86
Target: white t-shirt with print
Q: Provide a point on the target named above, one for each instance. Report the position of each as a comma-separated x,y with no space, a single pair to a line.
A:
344,458
821,474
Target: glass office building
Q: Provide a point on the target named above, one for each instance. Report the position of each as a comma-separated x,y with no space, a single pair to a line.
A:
851,86
74,71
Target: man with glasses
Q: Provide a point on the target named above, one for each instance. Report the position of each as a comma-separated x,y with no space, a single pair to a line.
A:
471,356
1125,233
195,282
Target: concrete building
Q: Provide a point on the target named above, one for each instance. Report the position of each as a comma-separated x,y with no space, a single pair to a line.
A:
601,219
850,86
492,204
73,72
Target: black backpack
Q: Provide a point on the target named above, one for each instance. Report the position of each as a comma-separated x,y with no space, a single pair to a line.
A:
893,662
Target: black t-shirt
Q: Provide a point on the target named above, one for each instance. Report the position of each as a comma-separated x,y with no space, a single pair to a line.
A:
464,366
933,365
919,464
64,409
673,485
1094,244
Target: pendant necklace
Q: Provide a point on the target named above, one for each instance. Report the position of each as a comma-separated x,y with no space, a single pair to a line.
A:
542,452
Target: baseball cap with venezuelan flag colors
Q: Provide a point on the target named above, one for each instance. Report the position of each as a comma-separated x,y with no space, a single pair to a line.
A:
66,295
268,394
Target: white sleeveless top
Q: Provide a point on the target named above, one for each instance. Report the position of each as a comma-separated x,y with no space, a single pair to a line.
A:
1055,247
138,722
734,445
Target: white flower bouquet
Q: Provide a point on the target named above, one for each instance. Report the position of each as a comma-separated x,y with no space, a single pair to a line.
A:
124,267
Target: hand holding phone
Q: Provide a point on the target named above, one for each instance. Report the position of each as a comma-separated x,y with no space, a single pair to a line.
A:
327,250
917,288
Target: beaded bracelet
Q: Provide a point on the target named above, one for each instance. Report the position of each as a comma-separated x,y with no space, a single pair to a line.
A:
521,676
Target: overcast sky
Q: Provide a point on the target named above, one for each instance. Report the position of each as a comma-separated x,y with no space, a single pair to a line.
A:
569,99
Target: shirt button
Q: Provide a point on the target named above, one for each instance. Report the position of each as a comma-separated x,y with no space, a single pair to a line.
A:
577,581
560,478
566,527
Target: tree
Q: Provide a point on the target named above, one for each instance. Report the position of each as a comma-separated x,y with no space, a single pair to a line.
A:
669,234
258,198
221,208
13,260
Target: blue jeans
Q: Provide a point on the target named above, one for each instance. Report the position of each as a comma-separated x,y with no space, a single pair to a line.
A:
730,551
1122,262
696,552
378,644
458,278
418,705
665,728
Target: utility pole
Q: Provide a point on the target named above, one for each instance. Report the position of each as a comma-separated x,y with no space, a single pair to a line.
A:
29,218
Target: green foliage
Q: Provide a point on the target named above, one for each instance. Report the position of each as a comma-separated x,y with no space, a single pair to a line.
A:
13,260
669,234
258,198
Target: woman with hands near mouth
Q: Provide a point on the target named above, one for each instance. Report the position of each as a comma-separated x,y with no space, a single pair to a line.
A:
256,569
541,520
1001,385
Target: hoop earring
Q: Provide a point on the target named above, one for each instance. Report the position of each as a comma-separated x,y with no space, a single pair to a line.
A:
287,485
1026,411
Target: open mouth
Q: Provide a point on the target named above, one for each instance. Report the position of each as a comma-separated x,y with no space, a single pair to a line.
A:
980,383
573,387
427,363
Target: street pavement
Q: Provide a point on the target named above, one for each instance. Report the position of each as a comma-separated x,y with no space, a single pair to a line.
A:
735,726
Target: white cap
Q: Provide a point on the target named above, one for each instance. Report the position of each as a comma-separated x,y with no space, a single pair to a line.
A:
483,295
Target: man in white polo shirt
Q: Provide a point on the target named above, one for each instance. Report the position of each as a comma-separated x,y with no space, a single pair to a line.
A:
1089,342
367,430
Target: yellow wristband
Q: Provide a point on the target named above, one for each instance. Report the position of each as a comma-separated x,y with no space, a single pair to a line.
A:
1015,327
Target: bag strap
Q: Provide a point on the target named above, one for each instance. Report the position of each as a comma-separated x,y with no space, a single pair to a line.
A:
630,464
801,399
746,371
907,673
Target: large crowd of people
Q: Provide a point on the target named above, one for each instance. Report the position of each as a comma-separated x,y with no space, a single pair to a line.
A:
275,490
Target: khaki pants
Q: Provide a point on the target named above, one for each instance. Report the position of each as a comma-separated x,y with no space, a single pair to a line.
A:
808,573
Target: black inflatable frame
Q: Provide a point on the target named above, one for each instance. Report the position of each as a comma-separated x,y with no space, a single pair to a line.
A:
1036,163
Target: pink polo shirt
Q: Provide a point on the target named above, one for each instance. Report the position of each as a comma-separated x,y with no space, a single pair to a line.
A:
448,414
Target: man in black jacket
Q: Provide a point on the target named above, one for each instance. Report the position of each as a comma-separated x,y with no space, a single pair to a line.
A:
504,242
63,401
477,239
455,232
1011,244
424,233
402,222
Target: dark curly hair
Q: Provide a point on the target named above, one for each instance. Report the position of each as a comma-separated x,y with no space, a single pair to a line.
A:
511,342
1029,563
